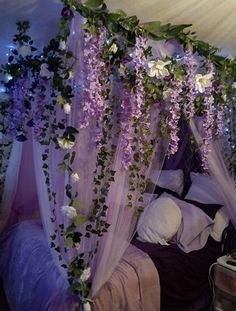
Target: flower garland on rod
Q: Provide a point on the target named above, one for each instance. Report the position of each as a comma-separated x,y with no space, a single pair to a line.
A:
195,82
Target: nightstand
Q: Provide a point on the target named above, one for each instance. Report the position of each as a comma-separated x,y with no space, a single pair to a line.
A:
225,289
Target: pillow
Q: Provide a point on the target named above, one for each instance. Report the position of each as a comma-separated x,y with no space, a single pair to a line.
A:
195,227
159,222
168,179
204,189
221,222
209,209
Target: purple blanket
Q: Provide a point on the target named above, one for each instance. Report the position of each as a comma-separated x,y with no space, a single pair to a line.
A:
183,276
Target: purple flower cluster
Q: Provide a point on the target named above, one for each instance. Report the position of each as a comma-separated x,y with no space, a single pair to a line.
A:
93,103
17,112
220,121
190,84
175,113
126,128
208,121
139,61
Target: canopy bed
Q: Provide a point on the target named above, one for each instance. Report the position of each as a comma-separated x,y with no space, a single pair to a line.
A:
117,165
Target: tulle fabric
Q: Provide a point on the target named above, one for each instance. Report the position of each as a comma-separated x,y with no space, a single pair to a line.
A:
218,169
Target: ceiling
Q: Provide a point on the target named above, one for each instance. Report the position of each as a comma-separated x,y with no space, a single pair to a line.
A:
213,20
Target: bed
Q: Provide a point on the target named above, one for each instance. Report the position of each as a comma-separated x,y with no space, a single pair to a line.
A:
167,276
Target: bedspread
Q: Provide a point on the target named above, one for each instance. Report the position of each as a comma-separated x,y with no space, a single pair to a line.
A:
133,286
32,280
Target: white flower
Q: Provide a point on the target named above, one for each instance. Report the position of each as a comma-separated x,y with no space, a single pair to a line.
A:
75,177
69,211
65,143
62,45
71,74
25,50
157,68
77,245
113,48
234,85
202,82
85,274
44,72
224,97
87,306
67,108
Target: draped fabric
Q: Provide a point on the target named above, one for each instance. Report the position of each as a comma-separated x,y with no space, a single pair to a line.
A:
218,170
213,21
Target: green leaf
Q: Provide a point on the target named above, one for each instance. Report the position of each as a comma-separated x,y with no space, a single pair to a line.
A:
153,28
62,166
60,100
77,204
94,4
69,241
118,14
79,220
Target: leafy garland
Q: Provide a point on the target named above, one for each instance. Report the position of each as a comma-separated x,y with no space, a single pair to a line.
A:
196,82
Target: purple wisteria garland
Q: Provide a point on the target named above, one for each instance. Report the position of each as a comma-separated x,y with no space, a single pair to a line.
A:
144,81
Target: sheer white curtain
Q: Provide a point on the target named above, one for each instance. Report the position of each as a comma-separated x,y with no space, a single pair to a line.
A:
218,170
11,183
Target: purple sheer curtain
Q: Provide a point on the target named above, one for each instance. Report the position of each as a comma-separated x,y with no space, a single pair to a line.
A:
218,170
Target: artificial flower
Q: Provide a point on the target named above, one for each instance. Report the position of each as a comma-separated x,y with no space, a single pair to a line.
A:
234,85
75,177
77,245
113,48
62,45
69,211
157,68
87,306
71,74
85,274
25,50
44,72
202,82
65,143
67,108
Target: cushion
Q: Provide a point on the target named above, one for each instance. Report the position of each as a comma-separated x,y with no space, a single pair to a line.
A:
160,221
195,227
221,222
172,180
209,209
204,189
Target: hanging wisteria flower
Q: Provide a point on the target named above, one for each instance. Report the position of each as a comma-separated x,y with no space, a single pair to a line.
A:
94,104
62,45
209,117
175,113
85,274
190,84
45,72
67,108
25,50
220,121
158,68
65,143
75,177
69,211
113,49
87,306
202,82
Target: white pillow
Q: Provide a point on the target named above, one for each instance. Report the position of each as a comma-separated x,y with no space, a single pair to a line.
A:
204,190
221,222
160,221
168,179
